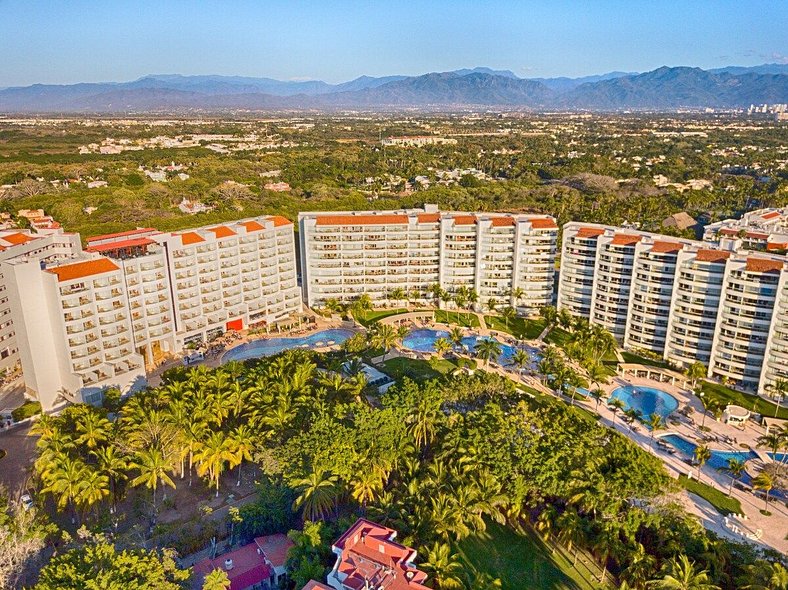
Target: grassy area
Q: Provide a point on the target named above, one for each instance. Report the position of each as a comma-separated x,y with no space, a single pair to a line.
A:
26,410
518,327
367,318
417,369
726,395
466,319
631,357
522,560
558,336
722,503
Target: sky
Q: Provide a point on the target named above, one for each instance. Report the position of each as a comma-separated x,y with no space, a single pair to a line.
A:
62,42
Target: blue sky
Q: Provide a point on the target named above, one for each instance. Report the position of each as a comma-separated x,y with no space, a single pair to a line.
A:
67,41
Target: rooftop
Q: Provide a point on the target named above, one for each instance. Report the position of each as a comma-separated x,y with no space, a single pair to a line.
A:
86,268
275,548
248,568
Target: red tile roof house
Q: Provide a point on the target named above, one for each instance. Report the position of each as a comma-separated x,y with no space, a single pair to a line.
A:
255,566
369,558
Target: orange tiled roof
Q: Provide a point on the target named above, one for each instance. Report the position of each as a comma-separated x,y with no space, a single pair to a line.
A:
707,255
589,232
755,264
770,215
777,246
313,585
502,221
361,219
543,223
121,234
665,247
78,270
279,221
252,226
464,219
120,244
222,231
625,239
757,235
428,217
18,238
191,237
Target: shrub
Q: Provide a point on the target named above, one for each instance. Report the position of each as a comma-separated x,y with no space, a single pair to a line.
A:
26,410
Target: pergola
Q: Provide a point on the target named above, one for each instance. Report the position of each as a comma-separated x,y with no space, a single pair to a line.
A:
658,374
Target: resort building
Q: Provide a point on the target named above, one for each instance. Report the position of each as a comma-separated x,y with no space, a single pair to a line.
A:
101,317
686,301
345,255
368,557
763,229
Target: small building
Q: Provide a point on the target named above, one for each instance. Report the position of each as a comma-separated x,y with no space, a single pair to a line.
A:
735,415
313,585
246,568
681,220
274,549
277,187
369,557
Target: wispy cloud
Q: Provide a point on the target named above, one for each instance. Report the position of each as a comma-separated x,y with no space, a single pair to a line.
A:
775,57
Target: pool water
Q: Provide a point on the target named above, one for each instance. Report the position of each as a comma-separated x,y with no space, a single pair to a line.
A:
719,459
423,340
647,400
271,346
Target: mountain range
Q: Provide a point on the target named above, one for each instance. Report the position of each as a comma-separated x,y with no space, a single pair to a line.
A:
665,88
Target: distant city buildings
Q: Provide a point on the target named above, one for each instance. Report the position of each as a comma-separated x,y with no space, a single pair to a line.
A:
764,229
345,255
718,303
418,141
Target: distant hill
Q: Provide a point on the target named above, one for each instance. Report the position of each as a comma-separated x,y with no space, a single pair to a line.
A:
663,88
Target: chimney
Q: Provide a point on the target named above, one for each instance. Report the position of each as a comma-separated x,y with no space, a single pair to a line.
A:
228,564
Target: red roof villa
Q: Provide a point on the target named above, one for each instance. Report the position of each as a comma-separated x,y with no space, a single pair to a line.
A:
255,566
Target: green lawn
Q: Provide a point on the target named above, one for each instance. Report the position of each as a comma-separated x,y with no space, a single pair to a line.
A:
631,357
558,336
518,327
367,318
417,369
726,395
466,319
721,501
522,560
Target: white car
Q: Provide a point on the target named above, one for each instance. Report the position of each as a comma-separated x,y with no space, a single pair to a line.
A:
25,501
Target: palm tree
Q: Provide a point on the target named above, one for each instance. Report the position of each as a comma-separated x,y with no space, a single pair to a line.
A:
702,454
91,427
385,336
655,422
598,396
772,441
456,335
460,300
473,298
333,305
763,481
564,319
778,389
94,488
640,568
211,457
596,374
516,293
606,543
492,304
154,469
112,464
365,486
241,443
520,358
398,294
615,404
735,468
436,291
216,580
508,313
442,346
695,371
681,574
65,481
488,349
318,493
571,531
444,567
550,315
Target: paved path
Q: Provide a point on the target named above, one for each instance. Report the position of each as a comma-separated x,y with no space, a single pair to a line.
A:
16,466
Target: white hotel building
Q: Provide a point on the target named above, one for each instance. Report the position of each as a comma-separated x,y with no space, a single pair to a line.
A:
684,300
347,254
103,316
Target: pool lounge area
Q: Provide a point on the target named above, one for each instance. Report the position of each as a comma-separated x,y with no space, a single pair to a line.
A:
423,340
270,346
646,400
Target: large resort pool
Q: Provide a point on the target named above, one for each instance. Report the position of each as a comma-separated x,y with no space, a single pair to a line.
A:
270,346
423,340
646,400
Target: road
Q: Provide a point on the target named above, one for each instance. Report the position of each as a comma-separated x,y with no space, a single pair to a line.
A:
16,466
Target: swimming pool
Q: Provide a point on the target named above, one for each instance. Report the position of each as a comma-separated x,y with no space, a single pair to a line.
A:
647,400
270,346
423,340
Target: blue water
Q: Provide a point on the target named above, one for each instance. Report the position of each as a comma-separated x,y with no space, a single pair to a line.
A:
778,457
647,400
423,340
719,459
270,346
